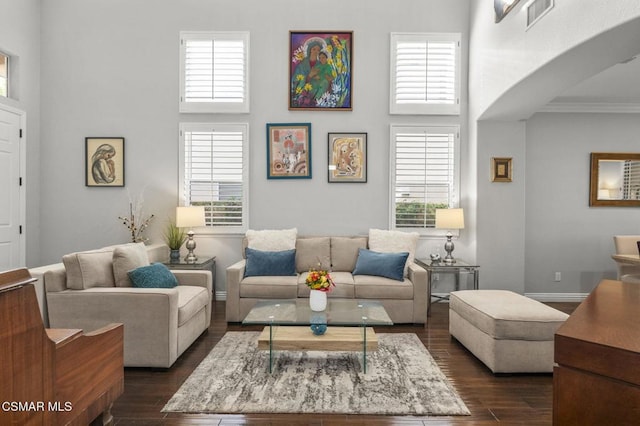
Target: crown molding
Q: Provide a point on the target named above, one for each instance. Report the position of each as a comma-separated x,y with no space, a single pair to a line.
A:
592,107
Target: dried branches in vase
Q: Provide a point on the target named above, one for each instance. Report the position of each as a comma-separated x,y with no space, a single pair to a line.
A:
135,225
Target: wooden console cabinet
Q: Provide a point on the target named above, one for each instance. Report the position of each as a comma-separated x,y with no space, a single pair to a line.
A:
597,380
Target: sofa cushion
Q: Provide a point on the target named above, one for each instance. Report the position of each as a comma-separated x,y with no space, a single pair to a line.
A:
155,275
269,287
87,269
272,239
270,263
384,241
343,285
191,300
389,265
313,253
503,314
344,252
128,257
372,287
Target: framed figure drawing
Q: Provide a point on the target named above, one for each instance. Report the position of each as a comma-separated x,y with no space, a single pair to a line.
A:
104,161
288,150
347,157
320,70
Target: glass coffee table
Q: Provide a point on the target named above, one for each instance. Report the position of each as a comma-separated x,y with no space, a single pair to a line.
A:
349,326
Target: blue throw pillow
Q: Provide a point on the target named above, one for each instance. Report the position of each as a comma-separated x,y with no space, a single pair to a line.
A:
388,265
270,263
155,275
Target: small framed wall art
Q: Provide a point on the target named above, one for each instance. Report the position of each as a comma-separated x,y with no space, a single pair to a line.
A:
104,161
501,169
320,70
288,150
347,157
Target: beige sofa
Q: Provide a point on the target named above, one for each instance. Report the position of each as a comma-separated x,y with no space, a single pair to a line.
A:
91,289
405,301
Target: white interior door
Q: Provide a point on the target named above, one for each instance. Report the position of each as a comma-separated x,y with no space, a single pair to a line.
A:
11,239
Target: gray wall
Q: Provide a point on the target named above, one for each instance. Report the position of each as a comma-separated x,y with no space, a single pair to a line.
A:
110,68
564,234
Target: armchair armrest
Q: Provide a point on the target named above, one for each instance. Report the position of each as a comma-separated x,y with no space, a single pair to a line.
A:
150,318
418,276
198,278
235,273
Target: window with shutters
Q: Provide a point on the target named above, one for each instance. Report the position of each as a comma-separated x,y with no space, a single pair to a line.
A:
425,73
424,175
214,173
214,72
4,75
631,180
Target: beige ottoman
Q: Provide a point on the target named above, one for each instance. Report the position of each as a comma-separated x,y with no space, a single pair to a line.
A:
508,332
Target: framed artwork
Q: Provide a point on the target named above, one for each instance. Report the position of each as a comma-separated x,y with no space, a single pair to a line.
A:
104,161
501,168
288,150
347,157
320,69
502,7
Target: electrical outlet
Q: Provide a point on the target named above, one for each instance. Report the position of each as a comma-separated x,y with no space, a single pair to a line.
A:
558,277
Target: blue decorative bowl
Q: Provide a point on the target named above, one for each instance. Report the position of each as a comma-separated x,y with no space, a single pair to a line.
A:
318,329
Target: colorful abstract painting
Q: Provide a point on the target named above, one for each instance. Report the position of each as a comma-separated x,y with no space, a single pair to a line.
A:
320,70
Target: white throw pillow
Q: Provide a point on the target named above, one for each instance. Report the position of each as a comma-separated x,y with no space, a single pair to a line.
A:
272,239
384,241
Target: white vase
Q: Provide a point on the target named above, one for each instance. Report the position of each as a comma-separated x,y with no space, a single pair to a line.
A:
318,300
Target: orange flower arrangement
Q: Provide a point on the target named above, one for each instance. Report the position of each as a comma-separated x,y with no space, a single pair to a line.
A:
319,280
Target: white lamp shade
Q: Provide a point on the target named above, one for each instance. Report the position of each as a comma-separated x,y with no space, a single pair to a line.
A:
450,218
189,217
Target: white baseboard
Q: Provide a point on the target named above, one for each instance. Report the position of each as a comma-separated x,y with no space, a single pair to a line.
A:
557,297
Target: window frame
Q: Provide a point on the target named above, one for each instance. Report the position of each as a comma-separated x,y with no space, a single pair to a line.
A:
213,106
185,127
424,108
454,193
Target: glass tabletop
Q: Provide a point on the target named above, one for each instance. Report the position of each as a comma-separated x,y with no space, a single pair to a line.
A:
432,264
344,312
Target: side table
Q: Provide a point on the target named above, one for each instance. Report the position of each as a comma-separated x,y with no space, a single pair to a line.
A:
439,267
203,262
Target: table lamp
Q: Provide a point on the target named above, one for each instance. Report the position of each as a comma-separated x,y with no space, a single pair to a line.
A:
449,219
189,217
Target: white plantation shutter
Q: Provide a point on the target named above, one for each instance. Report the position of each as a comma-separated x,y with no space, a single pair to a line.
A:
215,173
631,180
425,73
214,72
424,174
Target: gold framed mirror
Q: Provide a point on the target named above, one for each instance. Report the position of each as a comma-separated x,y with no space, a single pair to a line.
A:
615,179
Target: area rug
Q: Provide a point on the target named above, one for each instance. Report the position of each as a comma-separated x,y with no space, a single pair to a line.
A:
402,379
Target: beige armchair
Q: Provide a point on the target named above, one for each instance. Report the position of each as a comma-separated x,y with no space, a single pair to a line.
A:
86,292
627,257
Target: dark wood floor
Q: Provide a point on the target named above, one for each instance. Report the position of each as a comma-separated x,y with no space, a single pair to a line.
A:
524,399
